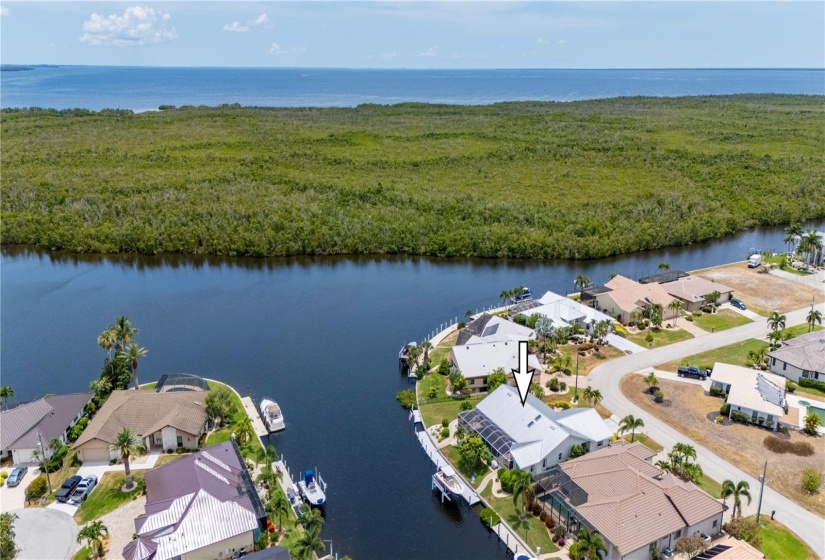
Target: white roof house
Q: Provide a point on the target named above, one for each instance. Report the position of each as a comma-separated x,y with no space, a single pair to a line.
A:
502,330
751,391
479,360
533,437
564,311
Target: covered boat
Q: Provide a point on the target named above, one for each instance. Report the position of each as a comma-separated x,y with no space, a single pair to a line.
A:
448,481
313,491
272,415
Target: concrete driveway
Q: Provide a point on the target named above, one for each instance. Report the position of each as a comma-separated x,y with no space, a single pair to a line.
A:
44,534
15,498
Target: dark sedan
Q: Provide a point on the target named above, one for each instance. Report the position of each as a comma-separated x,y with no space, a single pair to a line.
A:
68,487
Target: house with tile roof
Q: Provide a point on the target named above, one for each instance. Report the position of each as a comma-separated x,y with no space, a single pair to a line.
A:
477,361
800,357
162,420
624,296
534,437
199,507
636,508
692,291
22,427
757,394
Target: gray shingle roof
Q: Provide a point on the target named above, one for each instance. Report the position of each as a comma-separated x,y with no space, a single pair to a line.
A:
806,352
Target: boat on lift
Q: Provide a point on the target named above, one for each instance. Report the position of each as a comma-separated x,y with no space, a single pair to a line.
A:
312,490
448,481
272,415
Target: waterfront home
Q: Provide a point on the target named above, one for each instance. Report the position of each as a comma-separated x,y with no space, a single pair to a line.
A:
23,427
200,507
635,507
566,312
491,328
624,296
800,357
758,395
477,361
534,437
162,420
692,291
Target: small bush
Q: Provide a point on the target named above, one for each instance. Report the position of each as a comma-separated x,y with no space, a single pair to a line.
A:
811,384
689,318
445,433
553,385
619,330
658,396
535,510
433,392
791,386
544,516
550,523
562,385
406,398
746,529
445,422
724,410
737,416
801,448
460,326
466,405
561,543
179,450
170,451
489,517
444,367
4,475
715,391
38,488
598,355
520,319
564,405
811,480
720,419
560,532
649,338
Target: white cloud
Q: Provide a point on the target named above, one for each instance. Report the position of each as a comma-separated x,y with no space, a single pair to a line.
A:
4,11
236,27
432,51
137,26
259,21
287,53
275,48
562,41
541,41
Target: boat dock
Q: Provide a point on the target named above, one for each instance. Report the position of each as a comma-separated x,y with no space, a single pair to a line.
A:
435,455
252,412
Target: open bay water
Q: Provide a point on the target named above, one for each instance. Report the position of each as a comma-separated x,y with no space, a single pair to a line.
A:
320,335
147,88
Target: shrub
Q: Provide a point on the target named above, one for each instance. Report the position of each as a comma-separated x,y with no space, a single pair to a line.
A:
170,451
489,517
444,367
544,516
691,545
561,543
811,384
406,398
564,405
445,422
737,416
812,422
576,451
38,488
724,410
532,320
658,396
553,385
801,448
432,393
715,391
520,319
697,313
598,355
550,523
562,386
689,318
791,386
649,338
466,405
460,326
421,371
4,475
535,509
560,532
720,419
811,480
78,428
746,529
179,450
619,330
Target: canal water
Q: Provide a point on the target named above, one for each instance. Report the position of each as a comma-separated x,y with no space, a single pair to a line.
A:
320,335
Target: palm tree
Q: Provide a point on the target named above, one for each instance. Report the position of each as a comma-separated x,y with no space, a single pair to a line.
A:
124,332
742,489
280,508
601,330
664,466
244,430
651,381
504,296
6,392
127,444
591,544
523,490
814,316
776,322
629,424
308,544
132,354
727,491
810,244
107,340
93,534
636,316
758,356
413,353
425,346
544,328
311,520
266,455
713,299
581,282
792,232
593,396
775,337
686,451
693,472
676,307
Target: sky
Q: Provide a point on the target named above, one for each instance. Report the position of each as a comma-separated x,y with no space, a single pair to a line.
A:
432,34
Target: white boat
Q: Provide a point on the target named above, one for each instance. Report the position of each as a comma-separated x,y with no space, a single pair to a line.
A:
403,353
448,480
313,491
272,415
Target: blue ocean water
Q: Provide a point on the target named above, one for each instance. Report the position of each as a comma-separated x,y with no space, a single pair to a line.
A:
146,88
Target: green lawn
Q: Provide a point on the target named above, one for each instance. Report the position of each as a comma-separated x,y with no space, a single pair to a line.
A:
168,458
223,434
648,442
83,554
710,486
432,381
797,330
433,413
451,453
534,534
107,496
662,337
736,354
721,320
779,543
148,386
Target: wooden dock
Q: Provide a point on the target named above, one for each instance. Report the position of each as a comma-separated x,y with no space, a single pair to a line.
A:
252,412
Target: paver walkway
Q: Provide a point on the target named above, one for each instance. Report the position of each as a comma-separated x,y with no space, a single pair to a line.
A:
606,378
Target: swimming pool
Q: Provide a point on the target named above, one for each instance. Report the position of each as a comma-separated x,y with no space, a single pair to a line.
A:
816,410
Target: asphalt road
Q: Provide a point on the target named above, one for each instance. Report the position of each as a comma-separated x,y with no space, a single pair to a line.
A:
606,377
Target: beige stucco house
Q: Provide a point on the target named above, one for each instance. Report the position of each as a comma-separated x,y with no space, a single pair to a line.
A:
624,296
162,420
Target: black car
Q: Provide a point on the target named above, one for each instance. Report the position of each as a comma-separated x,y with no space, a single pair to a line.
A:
738,303
68,487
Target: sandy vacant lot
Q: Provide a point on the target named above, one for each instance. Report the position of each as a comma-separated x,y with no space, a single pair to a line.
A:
739,444
765,291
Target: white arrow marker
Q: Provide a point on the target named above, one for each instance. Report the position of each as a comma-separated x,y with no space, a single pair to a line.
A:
524,376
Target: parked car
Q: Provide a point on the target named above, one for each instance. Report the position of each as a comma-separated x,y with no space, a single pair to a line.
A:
692,371
16,476
68,487
82,491
738,303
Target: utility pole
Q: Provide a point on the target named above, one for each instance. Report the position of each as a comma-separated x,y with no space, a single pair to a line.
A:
576,392
761,490
43,453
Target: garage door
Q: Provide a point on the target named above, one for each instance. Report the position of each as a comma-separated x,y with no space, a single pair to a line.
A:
95,454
